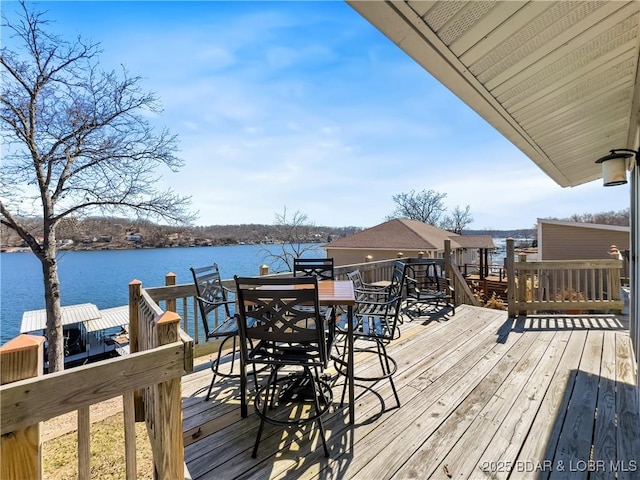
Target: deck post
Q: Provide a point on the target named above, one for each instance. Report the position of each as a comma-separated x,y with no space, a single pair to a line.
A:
21,450
511,279
447,258
170,281
135,291
169,448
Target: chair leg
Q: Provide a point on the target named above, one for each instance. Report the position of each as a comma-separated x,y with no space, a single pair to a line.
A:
317,387
210,388
215,364
393,386
270,382
346,379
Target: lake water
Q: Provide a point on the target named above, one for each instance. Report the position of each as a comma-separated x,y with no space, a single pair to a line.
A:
102,277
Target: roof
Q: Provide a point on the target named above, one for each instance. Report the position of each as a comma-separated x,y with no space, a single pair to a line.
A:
396,234
558,79
474,241
86,313
404,234
599,226
110,318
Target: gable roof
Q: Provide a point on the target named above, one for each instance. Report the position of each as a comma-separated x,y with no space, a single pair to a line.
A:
597,226
401,234
397,233
474,241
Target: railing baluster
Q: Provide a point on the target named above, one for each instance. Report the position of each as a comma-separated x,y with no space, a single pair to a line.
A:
128,412
84,443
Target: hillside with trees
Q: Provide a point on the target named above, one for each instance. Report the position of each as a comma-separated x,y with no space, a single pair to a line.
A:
118,233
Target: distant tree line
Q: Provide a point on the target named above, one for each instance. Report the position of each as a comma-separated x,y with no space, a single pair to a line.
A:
620,218
83,233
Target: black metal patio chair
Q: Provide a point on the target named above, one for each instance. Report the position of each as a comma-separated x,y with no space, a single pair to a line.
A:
281,326
428,288
317,267
219,323
376,318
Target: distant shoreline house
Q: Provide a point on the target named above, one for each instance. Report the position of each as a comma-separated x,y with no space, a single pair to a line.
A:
407,238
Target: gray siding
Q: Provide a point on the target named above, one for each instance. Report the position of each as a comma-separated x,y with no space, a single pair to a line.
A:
561,242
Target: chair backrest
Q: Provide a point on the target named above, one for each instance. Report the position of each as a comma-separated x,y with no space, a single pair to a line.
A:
395,288
425,274
386,313
316,267
211,295
356,277
281,311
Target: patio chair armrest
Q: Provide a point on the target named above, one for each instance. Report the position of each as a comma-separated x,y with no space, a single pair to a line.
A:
370,294
219,304
376,304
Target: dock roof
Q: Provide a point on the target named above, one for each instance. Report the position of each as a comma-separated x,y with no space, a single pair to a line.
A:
87,313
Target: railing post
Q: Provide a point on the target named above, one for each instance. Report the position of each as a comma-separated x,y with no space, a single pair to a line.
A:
169,409
522,283
367,274
21,450
512,298
135,290
170,281
447,258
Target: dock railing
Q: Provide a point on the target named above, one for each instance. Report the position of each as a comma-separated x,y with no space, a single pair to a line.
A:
148,380
569,286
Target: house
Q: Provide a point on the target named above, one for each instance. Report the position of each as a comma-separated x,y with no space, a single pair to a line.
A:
406,238
562,240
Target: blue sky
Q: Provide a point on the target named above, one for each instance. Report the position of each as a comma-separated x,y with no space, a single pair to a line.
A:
305,105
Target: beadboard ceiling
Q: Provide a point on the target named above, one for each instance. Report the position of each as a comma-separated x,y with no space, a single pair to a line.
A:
559,79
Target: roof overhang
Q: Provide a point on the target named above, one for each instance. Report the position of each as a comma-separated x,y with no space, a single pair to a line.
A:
558,79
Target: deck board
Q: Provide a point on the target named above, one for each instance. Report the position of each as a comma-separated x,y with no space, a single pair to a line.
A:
518,398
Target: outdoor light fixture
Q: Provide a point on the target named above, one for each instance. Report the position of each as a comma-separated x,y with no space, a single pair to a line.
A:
614,166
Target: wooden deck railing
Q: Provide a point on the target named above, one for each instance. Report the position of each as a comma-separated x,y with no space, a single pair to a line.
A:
562,285
154,368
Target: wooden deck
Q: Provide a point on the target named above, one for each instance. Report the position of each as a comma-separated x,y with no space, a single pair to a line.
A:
482,397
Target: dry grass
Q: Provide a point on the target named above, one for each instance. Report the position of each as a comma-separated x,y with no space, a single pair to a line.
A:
60,454
60,443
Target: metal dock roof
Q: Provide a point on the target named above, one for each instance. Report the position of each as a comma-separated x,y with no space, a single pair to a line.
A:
86,313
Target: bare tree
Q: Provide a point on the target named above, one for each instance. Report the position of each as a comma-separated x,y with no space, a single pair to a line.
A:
76,142
458,220
426,206
620,217
294,235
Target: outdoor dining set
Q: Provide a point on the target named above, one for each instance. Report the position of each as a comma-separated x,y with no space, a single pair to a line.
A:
296,337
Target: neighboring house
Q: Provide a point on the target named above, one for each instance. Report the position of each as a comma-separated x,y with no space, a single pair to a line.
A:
406,238
561,240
